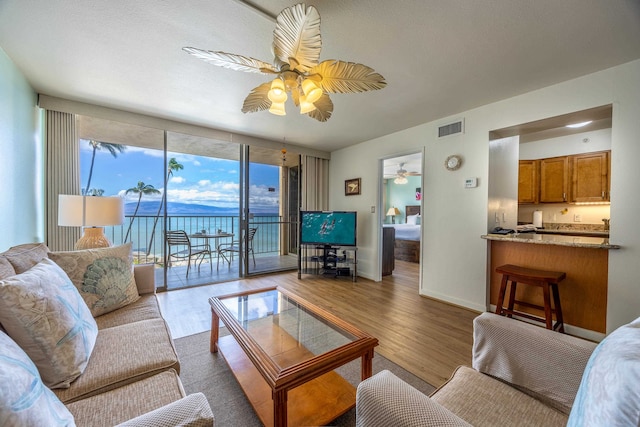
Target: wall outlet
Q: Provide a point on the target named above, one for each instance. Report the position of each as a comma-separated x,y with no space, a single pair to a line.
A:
373,209
577,218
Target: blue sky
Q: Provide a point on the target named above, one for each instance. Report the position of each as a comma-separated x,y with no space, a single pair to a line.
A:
203,180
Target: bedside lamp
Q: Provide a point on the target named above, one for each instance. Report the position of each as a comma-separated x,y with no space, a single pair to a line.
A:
92,213
392,212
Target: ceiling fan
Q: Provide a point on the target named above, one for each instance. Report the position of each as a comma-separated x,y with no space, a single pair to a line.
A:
402,174
296,48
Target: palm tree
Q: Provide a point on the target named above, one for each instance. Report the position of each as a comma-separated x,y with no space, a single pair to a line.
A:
172,166
97,145
140,189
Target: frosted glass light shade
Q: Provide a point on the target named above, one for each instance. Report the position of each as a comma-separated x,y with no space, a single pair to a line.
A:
400,180
277,108
305,105
311,90
277,93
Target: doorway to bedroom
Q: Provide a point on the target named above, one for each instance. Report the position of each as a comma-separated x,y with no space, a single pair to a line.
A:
401,207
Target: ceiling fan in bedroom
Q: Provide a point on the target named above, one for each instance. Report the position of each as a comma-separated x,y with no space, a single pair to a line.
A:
402,174
296,67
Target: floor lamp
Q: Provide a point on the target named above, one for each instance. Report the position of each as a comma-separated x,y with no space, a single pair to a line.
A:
92,213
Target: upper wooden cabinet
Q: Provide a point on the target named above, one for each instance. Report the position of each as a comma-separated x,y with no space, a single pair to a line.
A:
528,181
577,178
554,180
590,177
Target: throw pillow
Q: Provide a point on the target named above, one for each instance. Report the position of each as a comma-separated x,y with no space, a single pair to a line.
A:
104,276
23,257
43,312
24,400
609,393
413,219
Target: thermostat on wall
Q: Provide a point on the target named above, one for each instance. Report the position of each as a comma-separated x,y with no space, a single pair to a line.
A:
471,183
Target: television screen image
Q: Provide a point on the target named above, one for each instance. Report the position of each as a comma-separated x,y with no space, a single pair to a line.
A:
328,228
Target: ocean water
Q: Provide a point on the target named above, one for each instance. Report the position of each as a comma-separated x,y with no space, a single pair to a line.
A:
267,239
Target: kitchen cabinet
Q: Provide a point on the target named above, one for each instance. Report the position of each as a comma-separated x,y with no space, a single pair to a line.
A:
528,181
554,179
590,177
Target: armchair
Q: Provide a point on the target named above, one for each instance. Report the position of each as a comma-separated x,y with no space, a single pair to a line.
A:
522,375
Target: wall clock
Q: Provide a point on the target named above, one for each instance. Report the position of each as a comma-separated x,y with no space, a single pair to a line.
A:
453,162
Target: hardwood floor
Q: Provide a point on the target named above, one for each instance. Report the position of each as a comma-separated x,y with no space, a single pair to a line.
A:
426,337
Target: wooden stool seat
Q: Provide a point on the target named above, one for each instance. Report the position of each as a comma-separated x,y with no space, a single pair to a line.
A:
547,280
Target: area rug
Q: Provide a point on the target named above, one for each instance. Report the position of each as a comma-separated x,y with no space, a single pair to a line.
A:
202,371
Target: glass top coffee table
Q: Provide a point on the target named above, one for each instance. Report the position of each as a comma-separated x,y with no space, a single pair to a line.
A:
284,351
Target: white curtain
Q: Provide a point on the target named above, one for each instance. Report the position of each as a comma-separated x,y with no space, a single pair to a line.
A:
315,183
62,176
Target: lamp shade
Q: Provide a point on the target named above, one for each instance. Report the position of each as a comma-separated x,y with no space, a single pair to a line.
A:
393,212
89,211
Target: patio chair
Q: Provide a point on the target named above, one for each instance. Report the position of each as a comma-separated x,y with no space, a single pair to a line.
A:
226,250
180,249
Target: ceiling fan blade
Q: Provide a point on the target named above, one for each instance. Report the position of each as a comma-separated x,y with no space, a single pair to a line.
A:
324,108
232,61
297,36
257,100
347,77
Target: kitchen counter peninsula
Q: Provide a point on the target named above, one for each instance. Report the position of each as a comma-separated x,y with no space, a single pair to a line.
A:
585,260
554,239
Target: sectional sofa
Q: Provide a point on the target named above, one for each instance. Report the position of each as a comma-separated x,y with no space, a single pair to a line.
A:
83,342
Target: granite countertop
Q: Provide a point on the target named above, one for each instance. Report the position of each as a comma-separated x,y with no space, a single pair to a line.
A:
553,239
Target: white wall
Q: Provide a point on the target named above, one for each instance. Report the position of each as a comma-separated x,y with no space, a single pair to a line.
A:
454,256
21,216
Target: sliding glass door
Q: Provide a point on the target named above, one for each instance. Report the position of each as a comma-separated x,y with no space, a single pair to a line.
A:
236,203
268,209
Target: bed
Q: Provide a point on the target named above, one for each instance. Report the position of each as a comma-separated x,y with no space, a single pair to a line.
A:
407,242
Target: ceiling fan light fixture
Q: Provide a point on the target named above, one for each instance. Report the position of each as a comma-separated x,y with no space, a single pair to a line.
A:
277,93
296,48
311,90
305,105
277,108
400,180
290,80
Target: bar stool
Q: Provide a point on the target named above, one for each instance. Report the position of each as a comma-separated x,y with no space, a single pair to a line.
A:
547,280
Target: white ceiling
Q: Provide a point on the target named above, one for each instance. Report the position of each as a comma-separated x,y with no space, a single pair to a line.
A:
439,57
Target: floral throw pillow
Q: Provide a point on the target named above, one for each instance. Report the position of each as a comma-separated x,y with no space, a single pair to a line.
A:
24,400
44,314
104,276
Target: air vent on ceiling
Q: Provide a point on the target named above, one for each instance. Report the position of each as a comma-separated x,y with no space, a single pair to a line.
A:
451,128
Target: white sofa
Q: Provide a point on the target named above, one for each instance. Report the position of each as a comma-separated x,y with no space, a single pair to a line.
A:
522,375
131,375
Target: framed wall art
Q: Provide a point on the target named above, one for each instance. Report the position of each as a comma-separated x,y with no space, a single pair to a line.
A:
352,187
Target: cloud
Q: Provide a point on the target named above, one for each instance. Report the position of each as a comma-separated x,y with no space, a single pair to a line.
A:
204,182
177,180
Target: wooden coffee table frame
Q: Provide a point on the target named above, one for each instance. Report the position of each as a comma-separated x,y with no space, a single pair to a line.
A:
282,380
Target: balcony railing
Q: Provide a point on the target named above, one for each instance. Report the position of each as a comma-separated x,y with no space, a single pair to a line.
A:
149,245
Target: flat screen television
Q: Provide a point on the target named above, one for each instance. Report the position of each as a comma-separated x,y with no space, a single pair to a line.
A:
329,228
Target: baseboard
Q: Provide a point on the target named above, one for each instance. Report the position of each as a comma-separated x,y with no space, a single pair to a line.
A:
569,329
455,301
